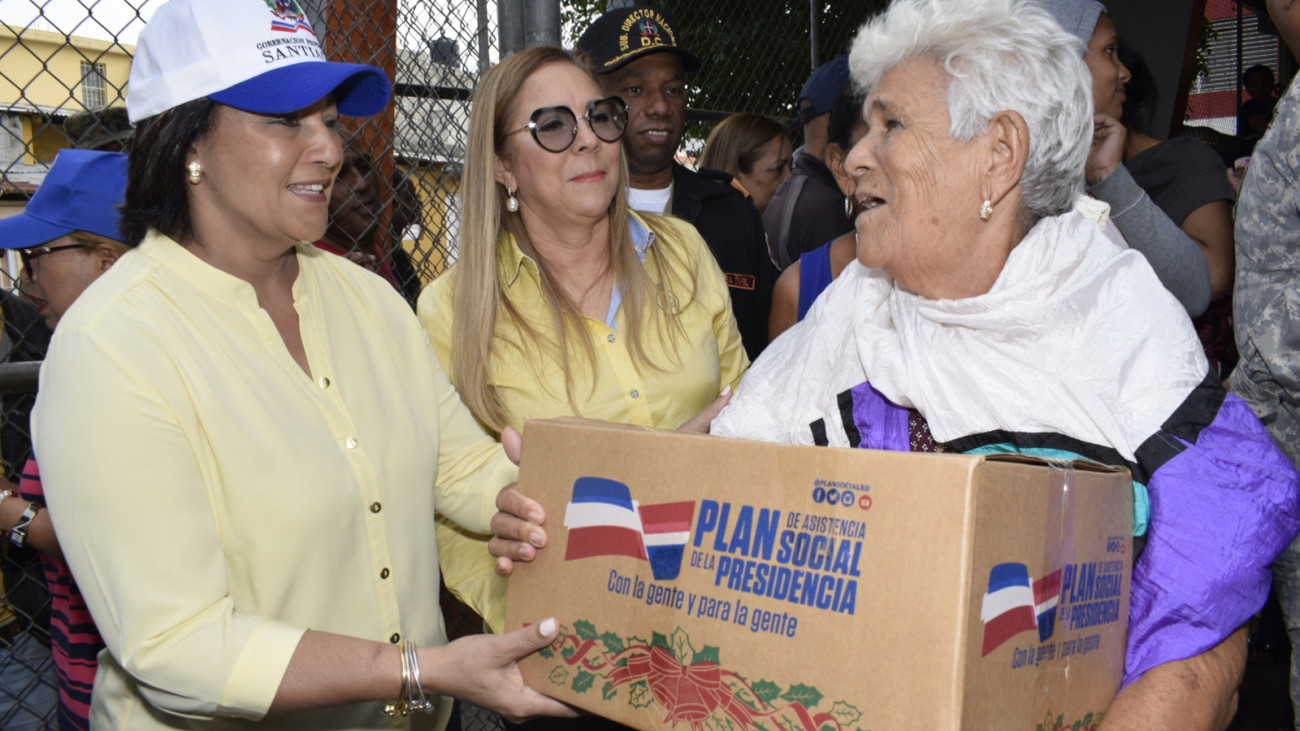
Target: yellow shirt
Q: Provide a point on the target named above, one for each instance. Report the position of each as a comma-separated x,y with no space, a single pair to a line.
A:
215,501
709,352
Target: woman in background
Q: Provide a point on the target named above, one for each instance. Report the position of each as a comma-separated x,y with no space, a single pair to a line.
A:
67,236
802,281
754,150
1170,200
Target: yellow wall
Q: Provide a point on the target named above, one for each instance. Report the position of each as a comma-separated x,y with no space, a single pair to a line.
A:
46,69
430,253
43,69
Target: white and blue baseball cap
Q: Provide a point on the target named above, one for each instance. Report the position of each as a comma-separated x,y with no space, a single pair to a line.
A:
81,193
255,55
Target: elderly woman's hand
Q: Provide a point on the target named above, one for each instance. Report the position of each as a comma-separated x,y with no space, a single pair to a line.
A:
517,530
1108,136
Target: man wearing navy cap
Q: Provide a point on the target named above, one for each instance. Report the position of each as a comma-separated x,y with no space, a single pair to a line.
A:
636,55
808,209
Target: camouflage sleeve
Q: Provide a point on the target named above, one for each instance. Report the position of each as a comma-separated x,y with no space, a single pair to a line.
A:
1266,297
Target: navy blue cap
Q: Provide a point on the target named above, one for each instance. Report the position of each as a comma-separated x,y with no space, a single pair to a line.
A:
623,35
81,193
819,91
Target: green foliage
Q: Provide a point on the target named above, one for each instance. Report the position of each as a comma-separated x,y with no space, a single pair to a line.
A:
767,690
613,643
709,653
681,646
845,713
805,694
583,682
639,695
584,629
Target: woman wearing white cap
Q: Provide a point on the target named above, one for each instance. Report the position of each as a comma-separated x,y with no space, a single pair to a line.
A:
247,437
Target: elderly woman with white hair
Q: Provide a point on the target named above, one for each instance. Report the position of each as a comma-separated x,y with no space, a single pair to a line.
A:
988,311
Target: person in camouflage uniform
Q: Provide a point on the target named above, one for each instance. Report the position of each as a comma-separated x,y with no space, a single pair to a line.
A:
1265,303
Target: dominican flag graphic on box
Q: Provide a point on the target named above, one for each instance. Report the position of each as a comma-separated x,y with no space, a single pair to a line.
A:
1015,604
604,520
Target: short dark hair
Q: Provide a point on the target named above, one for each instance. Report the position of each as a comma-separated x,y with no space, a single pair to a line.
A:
845,112
1258,68
157,196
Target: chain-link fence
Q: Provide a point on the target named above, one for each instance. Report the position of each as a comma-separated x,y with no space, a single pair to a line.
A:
63,80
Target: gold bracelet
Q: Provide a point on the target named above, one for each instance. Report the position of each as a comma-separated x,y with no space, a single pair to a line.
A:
412,697
403,704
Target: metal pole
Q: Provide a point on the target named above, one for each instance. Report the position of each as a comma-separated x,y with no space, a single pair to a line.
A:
1240,62
815,32
484,38
510,14
542,22
19,376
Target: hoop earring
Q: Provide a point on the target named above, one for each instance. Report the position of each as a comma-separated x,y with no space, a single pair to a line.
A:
196,172
848,206
512,203
986,210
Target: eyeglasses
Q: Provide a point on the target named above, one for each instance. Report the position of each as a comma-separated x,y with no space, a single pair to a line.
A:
555,128
30,255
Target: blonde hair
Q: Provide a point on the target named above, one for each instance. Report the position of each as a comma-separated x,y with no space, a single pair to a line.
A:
734,144
478,296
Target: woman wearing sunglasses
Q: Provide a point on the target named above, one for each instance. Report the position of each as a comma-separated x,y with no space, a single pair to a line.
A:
564,302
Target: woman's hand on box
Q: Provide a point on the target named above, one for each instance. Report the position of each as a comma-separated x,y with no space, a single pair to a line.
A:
701,422
517,530
482,669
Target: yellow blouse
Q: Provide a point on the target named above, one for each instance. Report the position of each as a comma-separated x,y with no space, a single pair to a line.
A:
709,354
215,501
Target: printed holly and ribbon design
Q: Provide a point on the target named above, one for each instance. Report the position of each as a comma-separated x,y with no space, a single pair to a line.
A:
691,685
1088,723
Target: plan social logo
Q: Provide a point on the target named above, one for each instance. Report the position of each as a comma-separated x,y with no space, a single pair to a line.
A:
604,520
1014,604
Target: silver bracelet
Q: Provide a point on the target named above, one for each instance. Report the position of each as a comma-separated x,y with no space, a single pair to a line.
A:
413,698
418,701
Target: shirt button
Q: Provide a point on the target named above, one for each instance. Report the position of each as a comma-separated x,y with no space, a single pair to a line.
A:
395,638
375,507
635,393
611,338
323,382
350,444
383,574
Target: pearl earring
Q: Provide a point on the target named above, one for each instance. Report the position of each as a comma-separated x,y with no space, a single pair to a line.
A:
196,172
512,203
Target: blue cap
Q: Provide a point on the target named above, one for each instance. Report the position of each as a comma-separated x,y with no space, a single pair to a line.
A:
359,90
81,193
819,91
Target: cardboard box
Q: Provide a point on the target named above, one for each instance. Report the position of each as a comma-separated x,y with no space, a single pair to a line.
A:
757,586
